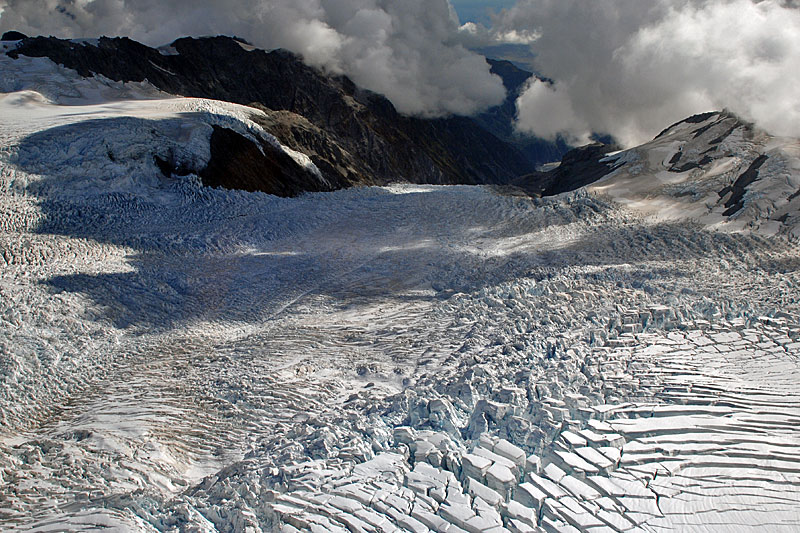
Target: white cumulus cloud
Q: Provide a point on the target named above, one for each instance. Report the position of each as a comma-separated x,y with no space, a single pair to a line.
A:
550,109
630,68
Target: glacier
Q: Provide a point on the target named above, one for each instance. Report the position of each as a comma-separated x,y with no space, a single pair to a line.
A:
398,358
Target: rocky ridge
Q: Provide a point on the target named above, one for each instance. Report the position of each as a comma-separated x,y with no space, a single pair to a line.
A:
355,137
713,168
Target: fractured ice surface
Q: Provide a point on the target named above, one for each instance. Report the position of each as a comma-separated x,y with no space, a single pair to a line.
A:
407,358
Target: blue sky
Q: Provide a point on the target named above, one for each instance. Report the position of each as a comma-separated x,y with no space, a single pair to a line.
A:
476,10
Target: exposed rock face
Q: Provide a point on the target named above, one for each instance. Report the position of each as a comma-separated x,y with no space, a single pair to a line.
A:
238,163
13,36
579,167
739,187
340,166
352,135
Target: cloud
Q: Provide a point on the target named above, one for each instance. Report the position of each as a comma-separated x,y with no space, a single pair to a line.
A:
550,109
630,68
407,50
476,35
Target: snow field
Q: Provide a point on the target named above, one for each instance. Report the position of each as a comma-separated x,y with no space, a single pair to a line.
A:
460,326
407,358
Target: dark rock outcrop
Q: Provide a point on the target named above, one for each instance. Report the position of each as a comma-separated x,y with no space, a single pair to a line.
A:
238,163
739,187
579,167
689,165
13,36
704,146
340,167
248,164
353,136
694,119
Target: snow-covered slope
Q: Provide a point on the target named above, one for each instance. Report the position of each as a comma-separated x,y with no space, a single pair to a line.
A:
401,358
355,137
713,169
67,125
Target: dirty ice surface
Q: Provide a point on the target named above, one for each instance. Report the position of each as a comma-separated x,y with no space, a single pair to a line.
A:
405,358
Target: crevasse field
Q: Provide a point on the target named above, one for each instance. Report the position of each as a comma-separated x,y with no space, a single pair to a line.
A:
401,358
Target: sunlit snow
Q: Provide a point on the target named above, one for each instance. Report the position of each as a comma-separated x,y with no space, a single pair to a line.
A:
402,358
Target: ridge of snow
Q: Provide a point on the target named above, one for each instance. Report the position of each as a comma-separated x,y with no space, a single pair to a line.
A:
36,94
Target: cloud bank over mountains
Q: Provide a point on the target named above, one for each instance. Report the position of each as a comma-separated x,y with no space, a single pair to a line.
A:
624,67
630,68
405,50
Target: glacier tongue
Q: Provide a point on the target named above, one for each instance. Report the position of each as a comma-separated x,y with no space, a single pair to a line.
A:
380,359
